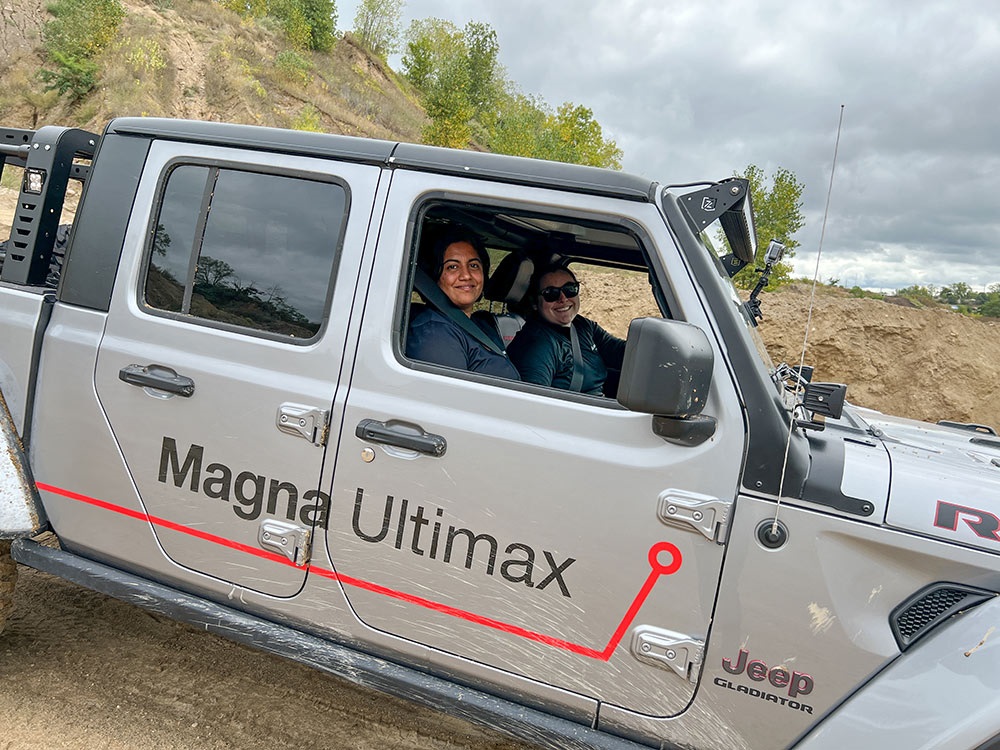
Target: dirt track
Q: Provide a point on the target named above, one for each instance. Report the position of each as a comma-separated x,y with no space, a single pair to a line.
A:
81,670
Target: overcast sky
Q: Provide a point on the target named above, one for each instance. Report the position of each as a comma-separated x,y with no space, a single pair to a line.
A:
694,91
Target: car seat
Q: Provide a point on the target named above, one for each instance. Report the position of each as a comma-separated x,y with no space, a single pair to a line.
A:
508,285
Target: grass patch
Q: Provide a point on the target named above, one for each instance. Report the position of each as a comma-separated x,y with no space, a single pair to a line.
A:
11,177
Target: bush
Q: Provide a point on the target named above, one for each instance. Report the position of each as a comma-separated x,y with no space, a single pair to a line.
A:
308,24
143,56
72,76
309,119
293,66
80,30
856,291
921,295
991,309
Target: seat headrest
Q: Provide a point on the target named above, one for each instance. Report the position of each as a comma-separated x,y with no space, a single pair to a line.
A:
510,280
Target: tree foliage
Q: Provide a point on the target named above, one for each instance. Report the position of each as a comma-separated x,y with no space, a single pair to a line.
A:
956,294
521,125
79,30
377,25
247,8
482,51
518,125
991,308
467,96
968,301
578,138
778,216
436,62
308,24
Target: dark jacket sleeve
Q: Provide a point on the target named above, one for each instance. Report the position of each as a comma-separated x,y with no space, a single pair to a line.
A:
535,354
611,348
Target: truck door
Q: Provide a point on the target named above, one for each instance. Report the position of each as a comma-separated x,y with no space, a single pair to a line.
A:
223,349
548,535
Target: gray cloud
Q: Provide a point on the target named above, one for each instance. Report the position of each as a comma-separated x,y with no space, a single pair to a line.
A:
698,91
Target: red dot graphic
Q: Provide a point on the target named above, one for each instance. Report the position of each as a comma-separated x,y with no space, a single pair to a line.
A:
654,558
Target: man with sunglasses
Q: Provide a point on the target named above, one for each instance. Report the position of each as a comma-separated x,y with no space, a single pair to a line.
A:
558,347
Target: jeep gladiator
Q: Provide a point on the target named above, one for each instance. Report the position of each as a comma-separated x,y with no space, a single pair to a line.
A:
207,410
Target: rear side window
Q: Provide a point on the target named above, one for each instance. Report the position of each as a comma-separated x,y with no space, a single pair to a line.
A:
243,249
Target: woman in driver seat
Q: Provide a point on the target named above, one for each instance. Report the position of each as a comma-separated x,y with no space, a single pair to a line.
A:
559,347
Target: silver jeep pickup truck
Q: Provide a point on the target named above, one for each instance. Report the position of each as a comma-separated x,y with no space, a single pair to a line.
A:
208,410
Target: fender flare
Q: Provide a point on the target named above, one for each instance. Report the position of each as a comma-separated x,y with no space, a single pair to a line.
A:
943,692
21,511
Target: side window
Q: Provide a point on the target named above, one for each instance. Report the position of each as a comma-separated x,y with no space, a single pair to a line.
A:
246,249
551,305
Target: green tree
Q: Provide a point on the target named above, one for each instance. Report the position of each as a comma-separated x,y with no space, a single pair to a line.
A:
991,308
516,126
777,215
466,94
436,63
79,30
485,75
574,136
429,42
322,18
447,105
247,8
458,73
308,24
956,294
377,25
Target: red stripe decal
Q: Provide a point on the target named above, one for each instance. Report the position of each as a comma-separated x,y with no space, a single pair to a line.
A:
658,569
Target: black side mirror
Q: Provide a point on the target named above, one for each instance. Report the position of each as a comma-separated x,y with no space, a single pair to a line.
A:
667,372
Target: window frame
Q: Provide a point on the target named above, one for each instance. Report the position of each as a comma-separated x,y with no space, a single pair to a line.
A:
162,181
660,292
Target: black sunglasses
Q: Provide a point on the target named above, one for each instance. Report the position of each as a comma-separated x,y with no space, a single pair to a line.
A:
569,290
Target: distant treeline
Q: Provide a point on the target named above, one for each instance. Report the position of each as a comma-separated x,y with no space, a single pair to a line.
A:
960,296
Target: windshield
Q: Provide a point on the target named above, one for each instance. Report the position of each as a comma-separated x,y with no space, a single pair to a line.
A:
718,249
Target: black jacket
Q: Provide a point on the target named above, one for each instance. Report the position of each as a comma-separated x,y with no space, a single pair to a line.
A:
543,354
435,338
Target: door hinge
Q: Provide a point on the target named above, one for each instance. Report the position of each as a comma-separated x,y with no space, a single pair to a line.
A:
668,650
304,421
285,538
707,515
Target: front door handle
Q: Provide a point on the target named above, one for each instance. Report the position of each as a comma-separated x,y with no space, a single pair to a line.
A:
159,377
402,435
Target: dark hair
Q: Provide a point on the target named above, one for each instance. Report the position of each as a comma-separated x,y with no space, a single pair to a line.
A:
435,258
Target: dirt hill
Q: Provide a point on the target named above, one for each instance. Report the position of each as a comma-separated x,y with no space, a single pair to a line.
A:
927,364
194,59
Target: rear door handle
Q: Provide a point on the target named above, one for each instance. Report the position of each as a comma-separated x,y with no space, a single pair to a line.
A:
159,377
402,435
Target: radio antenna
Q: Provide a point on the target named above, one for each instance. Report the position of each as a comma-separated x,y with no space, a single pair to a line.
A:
812,300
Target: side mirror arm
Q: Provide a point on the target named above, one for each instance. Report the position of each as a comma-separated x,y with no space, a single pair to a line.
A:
688,431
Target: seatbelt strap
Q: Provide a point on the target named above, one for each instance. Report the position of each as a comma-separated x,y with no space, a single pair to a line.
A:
435,296
574,341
